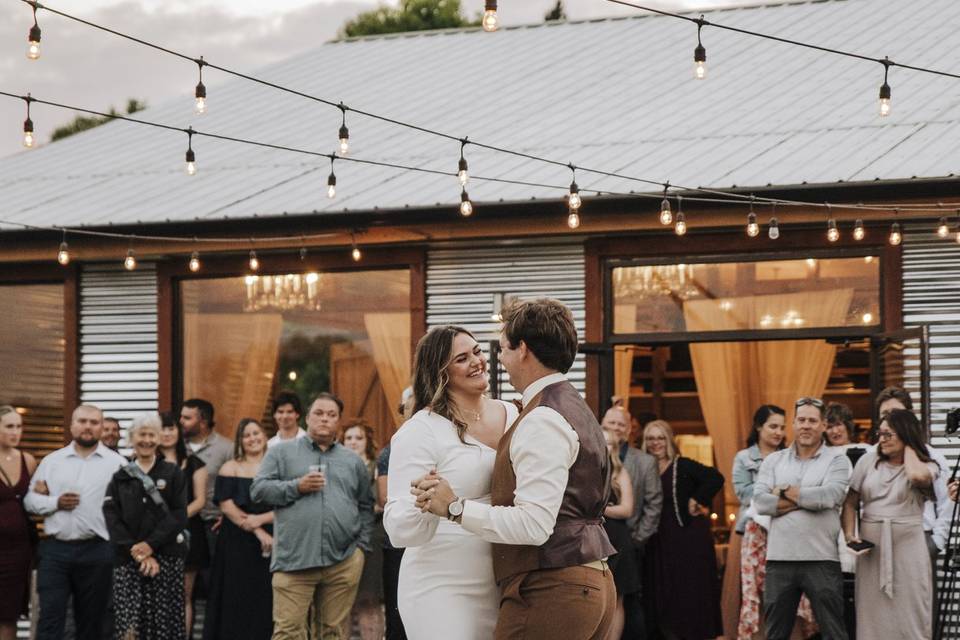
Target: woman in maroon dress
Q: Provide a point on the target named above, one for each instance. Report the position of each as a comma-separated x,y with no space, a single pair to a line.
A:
16,544
680,563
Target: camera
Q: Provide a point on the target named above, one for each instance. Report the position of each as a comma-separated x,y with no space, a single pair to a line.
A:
953,421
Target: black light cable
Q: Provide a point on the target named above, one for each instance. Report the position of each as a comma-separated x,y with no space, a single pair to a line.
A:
33,38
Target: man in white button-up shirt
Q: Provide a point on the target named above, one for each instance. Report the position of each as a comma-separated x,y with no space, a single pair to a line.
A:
76,559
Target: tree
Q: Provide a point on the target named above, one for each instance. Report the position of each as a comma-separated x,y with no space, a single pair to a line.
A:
83,123
556,13
411,15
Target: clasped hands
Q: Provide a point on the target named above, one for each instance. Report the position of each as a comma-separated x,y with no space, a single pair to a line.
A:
433,494
142,553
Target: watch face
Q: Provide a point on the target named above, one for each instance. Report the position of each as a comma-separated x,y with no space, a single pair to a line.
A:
455,508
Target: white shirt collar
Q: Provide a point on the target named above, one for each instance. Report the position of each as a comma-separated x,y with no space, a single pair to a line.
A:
539,385
96,452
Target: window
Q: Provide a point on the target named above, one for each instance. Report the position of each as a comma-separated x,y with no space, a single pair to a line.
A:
746,296
245,338
32,352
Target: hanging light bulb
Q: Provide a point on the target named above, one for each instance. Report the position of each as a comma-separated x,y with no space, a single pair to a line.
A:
773,230
344,133
700,55
833,233
130,262
355,253
753,229
573,220
666,215
466,207
462,174
200,93
943,230
253,262
490,20
194,263
191,157
63,254
859,233
680,227
28,138
331,181
896,237
33,39
885,90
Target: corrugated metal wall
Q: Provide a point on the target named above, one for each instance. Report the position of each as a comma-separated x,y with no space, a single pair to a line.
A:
461,284
118,339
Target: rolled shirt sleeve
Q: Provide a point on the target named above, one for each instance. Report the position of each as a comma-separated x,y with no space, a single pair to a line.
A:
831,493
542,450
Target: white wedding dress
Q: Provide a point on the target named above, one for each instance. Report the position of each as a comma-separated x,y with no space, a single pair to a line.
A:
447,589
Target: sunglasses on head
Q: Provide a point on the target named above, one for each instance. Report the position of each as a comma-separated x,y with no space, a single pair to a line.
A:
814,402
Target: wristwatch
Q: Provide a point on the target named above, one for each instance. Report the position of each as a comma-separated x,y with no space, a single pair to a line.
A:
455,510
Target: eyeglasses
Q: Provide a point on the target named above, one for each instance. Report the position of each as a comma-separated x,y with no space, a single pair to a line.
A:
815,402
654,438
885,435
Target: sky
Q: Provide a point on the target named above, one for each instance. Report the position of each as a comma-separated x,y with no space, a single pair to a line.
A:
89,68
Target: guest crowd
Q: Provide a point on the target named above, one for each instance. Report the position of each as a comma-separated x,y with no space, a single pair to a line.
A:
833,536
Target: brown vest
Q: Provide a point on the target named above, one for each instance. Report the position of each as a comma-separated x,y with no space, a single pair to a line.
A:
578,537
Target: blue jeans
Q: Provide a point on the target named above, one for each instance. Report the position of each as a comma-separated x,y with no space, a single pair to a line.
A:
83,570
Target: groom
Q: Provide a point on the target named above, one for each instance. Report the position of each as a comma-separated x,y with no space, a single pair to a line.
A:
551,483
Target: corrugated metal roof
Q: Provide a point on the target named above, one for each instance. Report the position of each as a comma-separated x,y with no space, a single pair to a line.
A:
616,94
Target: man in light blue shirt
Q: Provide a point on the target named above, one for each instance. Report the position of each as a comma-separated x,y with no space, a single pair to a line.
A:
323,520
76,559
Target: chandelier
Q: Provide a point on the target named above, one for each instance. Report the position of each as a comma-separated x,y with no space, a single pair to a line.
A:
287,292
653,281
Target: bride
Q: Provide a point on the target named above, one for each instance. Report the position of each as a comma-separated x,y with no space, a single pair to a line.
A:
446,588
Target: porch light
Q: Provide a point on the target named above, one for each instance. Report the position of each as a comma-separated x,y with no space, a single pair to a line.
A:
753,229
253,262
490,20
63,254
885,90
466,207
700,55
33,39
774,230
943,230
896,237
200,93
833,234
194,263
344,134
859,233
130,262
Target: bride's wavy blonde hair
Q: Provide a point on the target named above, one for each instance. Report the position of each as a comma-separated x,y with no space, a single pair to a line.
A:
431,380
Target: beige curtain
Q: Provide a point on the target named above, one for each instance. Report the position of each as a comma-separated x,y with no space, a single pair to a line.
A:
733,378
230,360
390,341
622,372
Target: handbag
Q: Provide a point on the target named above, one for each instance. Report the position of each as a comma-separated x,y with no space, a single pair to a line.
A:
134,471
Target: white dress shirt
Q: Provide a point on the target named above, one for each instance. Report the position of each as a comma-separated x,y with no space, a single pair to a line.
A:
543,448
937,512
65,471
277,439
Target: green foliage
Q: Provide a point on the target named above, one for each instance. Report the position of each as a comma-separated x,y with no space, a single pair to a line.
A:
411,15
310,359
556,13
83,123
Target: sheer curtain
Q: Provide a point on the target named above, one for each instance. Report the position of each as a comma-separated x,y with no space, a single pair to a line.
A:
230,360
390,341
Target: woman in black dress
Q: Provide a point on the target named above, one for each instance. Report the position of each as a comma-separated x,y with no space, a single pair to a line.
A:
240,602
626,575
683,587
145,509
173,448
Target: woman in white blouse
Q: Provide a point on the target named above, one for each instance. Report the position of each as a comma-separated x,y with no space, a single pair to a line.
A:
447,588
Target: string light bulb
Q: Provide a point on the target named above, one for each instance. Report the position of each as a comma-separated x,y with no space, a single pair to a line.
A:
253,262
466,207
896,237
885,90
573,197
833,233
666,215
573,220
680,226
859,233
200,93
33,39
753,229
490,21
332,181
355,251
190,157
958,226
344,134
130,262
462,175
194,263
700,54
28,138
63,254
943,230
773,230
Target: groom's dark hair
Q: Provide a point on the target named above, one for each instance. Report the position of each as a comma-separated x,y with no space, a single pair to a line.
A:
546,327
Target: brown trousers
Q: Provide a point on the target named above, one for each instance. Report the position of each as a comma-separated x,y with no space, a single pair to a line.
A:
573,603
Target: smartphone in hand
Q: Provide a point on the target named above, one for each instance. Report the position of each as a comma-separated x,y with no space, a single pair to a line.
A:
861,545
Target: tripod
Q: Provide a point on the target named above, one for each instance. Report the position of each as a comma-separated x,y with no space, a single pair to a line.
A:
947,621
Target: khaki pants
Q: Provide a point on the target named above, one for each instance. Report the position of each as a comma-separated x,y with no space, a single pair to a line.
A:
574,603
331,591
